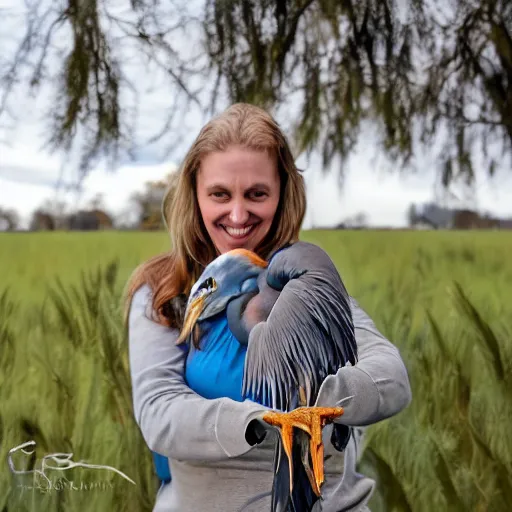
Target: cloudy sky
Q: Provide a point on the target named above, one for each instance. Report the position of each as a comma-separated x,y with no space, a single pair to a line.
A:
29,172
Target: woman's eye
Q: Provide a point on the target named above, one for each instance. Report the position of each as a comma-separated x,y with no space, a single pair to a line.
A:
259,194
219,195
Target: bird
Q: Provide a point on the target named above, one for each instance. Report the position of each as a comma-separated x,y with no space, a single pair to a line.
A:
292,315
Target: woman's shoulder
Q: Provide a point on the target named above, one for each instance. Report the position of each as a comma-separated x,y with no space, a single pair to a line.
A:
142,296
141,303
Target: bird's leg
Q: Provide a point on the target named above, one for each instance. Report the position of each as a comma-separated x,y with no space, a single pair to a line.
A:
311,420
306,462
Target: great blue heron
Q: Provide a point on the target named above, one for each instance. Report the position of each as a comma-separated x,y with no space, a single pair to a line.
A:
293,317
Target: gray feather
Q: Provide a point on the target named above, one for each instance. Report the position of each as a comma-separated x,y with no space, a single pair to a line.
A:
308,334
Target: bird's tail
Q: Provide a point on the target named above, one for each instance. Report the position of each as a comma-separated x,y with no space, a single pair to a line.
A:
302,497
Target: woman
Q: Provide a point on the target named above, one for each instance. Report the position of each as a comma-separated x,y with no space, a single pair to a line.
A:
238,187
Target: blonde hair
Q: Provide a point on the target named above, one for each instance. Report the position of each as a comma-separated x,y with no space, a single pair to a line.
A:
171,275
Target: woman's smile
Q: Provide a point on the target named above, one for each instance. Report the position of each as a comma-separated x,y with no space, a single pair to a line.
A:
238,233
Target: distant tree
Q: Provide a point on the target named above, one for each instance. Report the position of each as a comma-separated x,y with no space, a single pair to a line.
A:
361,219
357,221
9,219
127,218
505,223
58,210
412,215
41,221
98,202
433,72
149,202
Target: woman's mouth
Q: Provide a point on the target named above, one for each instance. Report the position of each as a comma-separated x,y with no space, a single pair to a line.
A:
238,232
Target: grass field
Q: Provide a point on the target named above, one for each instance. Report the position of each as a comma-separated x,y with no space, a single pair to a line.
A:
445,298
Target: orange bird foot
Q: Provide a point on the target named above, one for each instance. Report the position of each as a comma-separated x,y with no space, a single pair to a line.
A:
311,420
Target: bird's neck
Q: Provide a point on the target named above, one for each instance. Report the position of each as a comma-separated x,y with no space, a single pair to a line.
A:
248,310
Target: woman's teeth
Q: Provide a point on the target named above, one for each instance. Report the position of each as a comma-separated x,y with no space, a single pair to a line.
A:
237,231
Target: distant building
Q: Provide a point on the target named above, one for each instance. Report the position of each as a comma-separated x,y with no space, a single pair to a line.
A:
468,219
505,223
434,216
9,220
437,217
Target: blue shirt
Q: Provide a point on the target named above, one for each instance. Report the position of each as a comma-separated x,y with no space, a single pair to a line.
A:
216,370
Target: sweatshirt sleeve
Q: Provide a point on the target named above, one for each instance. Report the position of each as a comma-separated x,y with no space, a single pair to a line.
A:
175,421
377,387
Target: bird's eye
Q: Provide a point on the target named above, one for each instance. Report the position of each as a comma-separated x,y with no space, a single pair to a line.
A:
208,286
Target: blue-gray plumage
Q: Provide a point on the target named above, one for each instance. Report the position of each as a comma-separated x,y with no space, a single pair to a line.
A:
294,316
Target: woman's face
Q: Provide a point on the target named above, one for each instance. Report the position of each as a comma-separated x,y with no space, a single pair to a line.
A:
238,194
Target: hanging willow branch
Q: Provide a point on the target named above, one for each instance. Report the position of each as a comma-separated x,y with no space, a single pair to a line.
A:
88,76
432,74
344,62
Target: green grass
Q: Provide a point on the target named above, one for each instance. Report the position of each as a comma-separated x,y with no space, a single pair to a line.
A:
444,298
33,260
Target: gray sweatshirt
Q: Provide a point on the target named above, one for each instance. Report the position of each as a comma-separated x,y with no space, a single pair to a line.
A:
213,467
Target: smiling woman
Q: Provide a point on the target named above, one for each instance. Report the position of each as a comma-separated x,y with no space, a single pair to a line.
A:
238,193
239,189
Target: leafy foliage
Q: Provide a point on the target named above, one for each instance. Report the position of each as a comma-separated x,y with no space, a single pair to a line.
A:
430,72
433,75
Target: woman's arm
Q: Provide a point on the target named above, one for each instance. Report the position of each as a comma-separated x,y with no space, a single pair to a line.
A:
377,387
175,421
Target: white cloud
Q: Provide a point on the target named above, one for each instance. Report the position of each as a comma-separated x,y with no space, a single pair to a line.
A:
117,187
29,177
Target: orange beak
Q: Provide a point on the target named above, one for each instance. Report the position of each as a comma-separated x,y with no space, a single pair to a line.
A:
193,312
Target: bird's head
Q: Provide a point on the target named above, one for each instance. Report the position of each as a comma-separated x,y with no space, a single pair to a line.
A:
230,275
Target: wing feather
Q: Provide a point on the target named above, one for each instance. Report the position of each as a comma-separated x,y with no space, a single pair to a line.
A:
308,335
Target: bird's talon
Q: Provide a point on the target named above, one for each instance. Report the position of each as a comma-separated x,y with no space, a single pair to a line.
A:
311,420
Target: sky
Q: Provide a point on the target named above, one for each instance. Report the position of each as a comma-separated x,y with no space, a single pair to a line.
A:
28,176
29,172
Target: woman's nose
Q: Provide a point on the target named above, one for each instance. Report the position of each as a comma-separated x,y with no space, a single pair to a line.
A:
239,213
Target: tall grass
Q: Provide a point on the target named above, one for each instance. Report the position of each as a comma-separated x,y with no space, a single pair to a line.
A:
69,391
444,298
452,449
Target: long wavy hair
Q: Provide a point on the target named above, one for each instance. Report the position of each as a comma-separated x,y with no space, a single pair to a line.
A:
171,275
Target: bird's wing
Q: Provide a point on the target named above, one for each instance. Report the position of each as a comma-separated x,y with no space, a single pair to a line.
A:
308,335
